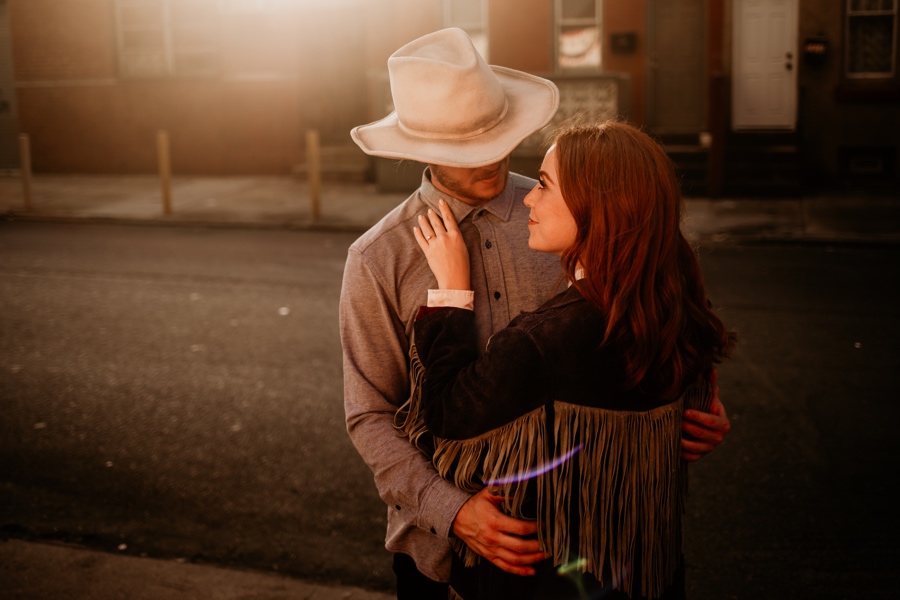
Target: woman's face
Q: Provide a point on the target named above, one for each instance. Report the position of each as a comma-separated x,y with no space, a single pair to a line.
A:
551,227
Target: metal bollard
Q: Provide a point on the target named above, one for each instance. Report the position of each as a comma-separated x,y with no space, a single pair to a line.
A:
314,170
165,170
25,159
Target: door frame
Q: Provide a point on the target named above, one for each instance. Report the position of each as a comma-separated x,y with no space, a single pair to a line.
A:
9,122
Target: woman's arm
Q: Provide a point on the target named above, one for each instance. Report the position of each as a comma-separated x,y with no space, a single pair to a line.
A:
462,395
445,249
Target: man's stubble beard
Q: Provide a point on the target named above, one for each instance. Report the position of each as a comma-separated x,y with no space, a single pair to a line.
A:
465,191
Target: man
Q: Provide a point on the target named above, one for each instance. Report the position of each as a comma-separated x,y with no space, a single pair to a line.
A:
463,119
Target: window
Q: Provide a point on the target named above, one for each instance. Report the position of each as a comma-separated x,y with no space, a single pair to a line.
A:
871,39
471,17
578,34
168,38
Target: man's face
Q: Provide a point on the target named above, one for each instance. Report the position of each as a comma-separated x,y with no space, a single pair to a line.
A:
474,185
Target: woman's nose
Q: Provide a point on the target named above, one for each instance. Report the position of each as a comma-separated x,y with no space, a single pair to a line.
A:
528,201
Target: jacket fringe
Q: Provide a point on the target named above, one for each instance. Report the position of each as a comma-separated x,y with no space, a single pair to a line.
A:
623,467
409,420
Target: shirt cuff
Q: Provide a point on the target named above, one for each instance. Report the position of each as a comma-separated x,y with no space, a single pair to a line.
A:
452,298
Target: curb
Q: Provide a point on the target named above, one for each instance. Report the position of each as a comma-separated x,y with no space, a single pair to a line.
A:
790,235
298,225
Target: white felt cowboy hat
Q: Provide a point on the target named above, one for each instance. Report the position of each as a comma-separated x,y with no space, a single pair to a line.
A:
454,110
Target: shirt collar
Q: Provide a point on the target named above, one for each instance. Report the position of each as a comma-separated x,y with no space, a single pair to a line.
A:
501,206
579,274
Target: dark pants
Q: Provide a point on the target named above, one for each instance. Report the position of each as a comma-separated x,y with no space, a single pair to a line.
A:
413,585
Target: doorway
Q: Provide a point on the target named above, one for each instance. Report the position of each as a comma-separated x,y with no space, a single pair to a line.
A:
676,82
9,126
764,70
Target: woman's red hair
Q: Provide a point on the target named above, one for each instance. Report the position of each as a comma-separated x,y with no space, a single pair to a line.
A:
622,190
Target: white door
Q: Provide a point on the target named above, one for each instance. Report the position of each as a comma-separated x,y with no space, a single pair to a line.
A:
764,75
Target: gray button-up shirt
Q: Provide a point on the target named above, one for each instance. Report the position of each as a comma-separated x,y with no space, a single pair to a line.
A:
386,279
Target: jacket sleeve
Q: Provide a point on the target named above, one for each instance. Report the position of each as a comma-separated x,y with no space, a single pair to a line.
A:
463,395
376,382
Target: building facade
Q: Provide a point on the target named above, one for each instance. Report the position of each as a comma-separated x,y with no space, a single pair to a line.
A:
749,96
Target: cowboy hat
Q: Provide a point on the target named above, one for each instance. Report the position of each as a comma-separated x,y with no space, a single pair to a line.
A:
454,110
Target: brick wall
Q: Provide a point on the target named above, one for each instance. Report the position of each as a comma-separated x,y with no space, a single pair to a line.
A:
72,39
281,74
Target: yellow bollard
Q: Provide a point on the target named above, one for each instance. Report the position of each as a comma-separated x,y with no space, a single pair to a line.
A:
25,160
314,170
165,170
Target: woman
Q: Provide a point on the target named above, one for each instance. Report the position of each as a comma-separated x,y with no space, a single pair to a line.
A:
573,412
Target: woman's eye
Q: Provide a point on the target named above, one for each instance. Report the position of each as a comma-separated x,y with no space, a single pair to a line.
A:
541,183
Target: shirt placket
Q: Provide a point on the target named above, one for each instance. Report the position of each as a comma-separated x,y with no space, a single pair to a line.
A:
496,292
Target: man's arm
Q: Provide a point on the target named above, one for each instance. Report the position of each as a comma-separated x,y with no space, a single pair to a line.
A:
375,378
376,382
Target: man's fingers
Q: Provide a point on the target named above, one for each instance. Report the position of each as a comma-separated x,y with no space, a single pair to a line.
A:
516,527
523,571
519,565
696,446
517,546
689,457
516,555
710,435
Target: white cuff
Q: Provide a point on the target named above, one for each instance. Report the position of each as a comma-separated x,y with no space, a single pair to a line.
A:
452,298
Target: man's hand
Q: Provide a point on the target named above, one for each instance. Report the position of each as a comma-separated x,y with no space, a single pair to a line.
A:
495,536
702,432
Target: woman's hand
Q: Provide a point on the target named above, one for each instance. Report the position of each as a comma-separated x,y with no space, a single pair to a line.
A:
444,248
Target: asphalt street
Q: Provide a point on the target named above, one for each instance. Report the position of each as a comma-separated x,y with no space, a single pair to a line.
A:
174,394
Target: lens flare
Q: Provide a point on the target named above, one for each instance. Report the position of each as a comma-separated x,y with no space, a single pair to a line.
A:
536,471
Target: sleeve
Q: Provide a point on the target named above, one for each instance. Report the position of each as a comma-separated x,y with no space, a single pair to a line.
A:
464,395
457,298
376,382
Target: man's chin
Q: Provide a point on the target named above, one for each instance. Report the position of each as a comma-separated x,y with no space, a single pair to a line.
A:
489,189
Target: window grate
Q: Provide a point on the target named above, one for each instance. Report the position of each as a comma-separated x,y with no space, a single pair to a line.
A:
871,38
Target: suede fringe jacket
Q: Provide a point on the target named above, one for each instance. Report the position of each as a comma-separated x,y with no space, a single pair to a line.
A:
541,418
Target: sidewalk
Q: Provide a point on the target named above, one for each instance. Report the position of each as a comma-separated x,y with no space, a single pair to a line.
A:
284,202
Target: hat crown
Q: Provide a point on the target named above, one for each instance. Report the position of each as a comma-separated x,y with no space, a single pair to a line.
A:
443,89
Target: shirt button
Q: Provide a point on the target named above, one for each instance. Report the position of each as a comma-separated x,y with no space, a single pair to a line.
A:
480,213
496,295
488,244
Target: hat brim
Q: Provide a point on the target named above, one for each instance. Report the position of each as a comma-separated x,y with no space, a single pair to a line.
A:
532,103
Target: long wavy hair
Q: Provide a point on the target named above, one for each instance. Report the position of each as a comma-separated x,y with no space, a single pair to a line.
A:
622,191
